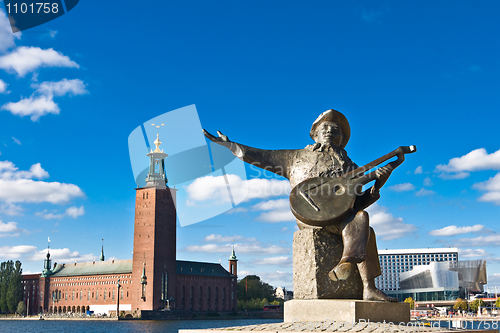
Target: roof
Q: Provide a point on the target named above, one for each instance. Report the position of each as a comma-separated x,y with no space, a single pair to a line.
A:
201,268
94,268
420,251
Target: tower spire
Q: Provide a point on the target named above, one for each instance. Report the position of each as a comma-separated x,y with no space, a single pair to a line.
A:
47,262
156,175
101,258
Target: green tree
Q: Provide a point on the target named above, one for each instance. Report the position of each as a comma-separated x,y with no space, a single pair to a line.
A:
474,305
256,289
21,308
460,304
497,303
15,288
6,268
411,301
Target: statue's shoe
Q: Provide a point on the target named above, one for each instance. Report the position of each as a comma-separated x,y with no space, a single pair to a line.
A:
341,272
373,294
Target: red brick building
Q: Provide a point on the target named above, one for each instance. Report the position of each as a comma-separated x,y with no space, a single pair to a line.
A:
152,280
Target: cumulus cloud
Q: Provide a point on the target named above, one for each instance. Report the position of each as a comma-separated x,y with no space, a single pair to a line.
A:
278,211
476,160
428,182
33,106
492,189
254,248
386,225
490,240
418,170
7,38
74,211
26,59
214,189
471,253
17,141
61,88
10,209
9,227
402,187
274,261
453,230
61,256
19,186
225,239
423,192
3,86
15,252
277,278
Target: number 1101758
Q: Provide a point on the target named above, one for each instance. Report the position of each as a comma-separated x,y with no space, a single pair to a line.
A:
33,8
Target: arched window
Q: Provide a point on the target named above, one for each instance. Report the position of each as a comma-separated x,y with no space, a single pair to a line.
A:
113,298
88,296
73,296
105,294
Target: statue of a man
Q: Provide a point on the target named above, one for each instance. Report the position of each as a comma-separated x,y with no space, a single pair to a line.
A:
327,158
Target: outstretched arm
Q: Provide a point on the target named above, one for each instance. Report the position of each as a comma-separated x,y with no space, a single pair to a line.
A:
276,161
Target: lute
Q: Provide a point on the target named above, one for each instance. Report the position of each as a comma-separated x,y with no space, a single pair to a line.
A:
322,201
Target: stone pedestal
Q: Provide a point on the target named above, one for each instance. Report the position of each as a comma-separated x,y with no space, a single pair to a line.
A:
315,253
321,310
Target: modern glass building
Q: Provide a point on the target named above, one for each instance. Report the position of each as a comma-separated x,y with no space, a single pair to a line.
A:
429,274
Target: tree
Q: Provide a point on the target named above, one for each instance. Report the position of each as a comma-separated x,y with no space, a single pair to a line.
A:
474,306
21,308
411,301
497,303
256,289
460,304
15,287
6,269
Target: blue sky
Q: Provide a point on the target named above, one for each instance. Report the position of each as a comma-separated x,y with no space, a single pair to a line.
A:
423,73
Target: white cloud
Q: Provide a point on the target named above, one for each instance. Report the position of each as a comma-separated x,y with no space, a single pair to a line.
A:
10,209
215,189
253,248
9,227
15,252
482,241
225,239
18,186
61,88
453,230
53,33
279,211
274,261
277,278
7,37
3,85
476,160
61,256
492,189
34,106
28,59
17,141
418,170
402,187
423,192
428,182
386,225
470,253
74,211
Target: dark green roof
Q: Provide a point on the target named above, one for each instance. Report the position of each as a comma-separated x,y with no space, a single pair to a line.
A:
201,268
94,268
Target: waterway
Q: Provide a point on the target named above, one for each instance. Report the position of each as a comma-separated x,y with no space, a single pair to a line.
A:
125,326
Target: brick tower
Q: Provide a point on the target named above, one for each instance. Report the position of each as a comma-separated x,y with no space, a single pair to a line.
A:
154,258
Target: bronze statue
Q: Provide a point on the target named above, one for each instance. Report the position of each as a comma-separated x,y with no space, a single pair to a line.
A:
313,167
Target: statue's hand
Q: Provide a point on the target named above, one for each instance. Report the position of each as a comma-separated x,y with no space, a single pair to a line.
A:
221,138
382,175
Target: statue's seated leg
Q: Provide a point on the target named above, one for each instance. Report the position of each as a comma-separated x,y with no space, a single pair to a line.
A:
369,270
355,231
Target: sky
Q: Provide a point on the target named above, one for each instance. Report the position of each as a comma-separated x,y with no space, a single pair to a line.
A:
74,89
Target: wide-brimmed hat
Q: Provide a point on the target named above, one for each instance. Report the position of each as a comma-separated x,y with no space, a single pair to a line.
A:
339,118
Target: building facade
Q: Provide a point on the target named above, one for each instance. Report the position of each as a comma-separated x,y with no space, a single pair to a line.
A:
395,262
152,280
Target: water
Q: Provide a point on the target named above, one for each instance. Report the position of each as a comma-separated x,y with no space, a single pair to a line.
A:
125,326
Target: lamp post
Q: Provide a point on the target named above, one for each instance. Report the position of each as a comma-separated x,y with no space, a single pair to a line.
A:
118,285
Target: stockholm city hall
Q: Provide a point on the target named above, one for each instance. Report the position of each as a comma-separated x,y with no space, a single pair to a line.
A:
152,280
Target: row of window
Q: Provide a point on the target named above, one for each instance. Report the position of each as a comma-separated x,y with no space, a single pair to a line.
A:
87,283
398,256
57,295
